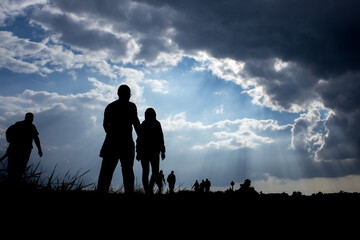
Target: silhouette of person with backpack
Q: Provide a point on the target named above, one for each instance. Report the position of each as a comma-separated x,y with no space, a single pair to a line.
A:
20,137
150,145
119,118
246,190
171,179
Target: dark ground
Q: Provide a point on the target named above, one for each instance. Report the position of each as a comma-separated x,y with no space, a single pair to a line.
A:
183,214
185,206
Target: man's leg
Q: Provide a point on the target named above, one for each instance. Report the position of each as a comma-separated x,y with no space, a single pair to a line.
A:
108,166
171,188
128,175
127,164
17,162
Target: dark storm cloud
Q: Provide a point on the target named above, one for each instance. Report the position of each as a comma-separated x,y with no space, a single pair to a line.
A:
321,35
342,95
125,15
125,20
291,87
76,33
342,139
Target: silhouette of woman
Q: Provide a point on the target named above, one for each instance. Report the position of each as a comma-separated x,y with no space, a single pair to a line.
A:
149,146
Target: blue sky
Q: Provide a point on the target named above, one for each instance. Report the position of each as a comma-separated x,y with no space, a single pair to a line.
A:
242,89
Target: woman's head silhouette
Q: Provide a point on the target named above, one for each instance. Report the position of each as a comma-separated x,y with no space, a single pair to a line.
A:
150,114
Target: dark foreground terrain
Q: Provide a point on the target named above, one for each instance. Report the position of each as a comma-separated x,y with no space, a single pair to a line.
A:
185,214
226,202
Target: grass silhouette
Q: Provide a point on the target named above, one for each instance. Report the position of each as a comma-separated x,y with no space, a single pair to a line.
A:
34,179
68,205
61,196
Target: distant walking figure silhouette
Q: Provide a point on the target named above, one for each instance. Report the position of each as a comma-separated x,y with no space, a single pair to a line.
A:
207,185
160,180
149,146
171,179
202,186
119,118
20,137
196,186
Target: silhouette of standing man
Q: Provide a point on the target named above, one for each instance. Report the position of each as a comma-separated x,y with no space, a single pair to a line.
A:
20,137
171,179
119,118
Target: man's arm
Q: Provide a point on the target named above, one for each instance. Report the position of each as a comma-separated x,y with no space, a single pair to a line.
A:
106,123
38,145
136,122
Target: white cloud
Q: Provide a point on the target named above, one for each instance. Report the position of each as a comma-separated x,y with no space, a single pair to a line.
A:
235,140
40,101
24,56
10,9
224,68
226,134
178,122
280,65
271,83
307,186
158,86
309,132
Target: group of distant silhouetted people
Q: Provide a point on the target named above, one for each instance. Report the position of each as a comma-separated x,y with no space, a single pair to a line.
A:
120,117
245,188
203,186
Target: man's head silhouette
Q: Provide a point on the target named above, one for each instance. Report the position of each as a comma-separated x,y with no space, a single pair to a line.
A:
124,92
29,117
